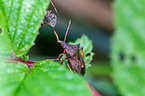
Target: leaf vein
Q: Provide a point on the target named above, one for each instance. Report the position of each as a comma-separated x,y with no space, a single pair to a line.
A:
17,20
19,86
28,25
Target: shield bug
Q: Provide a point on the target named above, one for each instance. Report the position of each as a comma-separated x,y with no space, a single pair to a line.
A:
74,58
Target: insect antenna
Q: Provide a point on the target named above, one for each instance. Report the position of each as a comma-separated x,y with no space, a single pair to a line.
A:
53,6
67,29
56,36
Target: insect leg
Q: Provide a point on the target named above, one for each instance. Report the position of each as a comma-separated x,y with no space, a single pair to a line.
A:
53,6
81,48
69,67
59,57
56,58
56,36
62,60
67,30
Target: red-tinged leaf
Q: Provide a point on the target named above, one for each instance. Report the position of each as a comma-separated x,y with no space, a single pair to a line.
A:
94,92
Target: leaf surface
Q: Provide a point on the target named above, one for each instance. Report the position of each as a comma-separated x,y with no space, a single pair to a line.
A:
21,20
128,46
46,78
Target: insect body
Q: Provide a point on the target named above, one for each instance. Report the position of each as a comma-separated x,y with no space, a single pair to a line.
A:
74,59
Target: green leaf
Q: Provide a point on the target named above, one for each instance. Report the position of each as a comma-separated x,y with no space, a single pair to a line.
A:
128,47
21,20
87,49
5,45
47,78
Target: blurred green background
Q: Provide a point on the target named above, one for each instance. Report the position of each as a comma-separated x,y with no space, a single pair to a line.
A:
92,18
